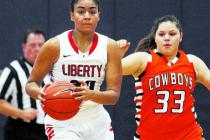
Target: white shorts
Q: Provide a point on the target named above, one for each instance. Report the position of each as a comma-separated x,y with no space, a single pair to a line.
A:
93,124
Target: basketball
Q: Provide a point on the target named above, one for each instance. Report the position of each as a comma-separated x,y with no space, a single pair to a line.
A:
59,103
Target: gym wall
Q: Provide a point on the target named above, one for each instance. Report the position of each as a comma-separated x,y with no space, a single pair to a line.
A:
131,20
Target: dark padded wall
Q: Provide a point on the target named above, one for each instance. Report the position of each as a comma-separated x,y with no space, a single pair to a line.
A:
119,19
15,18
196,21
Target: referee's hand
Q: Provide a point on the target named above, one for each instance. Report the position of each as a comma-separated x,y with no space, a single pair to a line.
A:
28,114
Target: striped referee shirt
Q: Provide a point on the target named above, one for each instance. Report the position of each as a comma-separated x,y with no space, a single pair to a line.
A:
12,87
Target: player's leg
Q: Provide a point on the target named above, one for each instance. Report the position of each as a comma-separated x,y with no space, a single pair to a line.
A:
102,134
108,135
62,133
100,128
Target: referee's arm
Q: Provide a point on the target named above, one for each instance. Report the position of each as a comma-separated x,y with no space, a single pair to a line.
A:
8,87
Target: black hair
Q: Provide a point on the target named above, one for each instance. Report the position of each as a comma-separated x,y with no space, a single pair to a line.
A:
35,31
148,42
74,2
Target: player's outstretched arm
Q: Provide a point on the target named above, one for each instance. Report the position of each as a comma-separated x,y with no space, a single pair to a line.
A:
134,64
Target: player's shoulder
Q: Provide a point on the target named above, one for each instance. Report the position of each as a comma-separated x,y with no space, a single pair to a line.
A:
197,62
101,35
52,43
101,38
144,56
50,49
65,34
112,45
193,58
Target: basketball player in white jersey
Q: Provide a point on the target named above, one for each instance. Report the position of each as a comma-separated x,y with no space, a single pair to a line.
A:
79,55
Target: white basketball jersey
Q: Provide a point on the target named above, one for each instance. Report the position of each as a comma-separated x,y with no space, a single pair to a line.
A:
74,65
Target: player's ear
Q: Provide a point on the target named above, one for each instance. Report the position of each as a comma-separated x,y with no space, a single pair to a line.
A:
181,36
71,14
99,15
23,46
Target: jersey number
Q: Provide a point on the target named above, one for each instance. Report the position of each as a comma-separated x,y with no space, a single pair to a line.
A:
164,101
91,84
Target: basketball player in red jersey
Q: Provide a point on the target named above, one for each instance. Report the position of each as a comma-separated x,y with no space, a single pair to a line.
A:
84,55
165,78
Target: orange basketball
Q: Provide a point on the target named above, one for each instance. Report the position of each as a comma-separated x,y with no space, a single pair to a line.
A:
59,103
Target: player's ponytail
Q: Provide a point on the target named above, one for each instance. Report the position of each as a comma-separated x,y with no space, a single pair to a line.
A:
146,44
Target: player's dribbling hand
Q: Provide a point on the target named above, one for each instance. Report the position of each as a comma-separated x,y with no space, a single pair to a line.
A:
41,97
42,94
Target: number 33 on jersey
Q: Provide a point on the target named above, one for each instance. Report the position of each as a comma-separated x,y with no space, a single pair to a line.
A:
164,95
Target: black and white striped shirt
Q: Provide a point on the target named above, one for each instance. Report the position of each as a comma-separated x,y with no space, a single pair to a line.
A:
12,87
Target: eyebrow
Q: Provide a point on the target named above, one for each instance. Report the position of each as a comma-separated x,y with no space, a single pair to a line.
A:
81,7
169,31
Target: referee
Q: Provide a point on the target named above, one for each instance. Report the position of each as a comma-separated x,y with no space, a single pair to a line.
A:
25,115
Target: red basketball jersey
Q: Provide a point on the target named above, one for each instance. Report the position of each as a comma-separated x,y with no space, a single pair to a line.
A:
164,101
